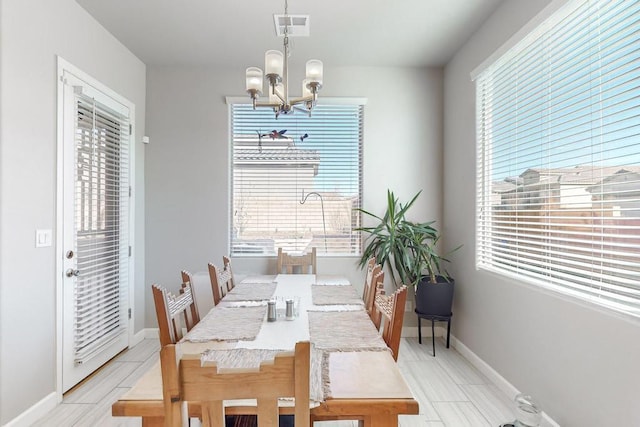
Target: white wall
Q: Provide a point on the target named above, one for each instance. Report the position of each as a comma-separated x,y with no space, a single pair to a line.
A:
579,361
187,160
32,33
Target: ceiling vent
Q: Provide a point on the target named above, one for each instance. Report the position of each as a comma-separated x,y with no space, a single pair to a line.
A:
298,25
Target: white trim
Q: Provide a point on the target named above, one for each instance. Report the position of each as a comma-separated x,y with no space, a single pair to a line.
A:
62,67
503,385
35,412
132,222
329,100
137,338
62,64
151,333
542,18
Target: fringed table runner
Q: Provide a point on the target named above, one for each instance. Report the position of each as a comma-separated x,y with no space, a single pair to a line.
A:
338,307
228,324
344,331
251,358
251,292
334,295
259,279
331,280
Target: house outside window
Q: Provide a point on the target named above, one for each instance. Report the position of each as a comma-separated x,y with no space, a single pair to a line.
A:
558,133
296,180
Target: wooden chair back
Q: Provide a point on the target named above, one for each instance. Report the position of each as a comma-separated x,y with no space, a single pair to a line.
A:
373,278
371,263
221,282
194,314
302,264
378,294
226,261
391,309
172,311
187,380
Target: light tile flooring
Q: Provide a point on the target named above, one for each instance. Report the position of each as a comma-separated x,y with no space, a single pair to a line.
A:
451,392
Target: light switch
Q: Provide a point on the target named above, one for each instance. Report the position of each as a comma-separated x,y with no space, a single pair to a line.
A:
43,238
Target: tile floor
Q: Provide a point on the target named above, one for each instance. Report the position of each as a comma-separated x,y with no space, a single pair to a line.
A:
451,392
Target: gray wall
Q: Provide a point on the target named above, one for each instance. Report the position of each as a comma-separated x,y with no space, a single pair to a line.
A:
32,33
580,361
187,168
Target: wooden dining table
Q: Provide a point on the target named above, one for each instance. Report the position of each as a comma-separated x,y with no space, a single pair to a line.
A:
358,378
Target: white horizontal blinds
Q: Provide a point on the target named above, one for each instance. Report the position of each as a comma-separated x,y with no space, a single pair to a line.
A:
558,126
317,160
101,225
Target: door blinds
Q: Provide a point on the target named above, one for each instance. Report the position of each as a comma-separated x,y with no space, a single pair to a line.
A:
296,181
101,225
558,168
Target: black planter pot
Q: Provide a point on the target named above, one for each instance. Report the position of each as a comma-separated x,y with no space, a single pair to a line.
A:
433,302
434,299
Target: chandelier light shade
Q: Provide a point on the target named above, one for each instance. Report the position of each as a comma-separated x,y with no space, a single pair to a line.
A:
273,63
314,71
276,74
254,80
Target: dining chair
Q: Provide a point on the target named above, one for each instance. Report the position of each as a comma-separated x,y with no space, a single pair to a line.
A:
187,282
291,264
226,261
391,310
220,282
173,311
379,294
373,278
371,263
188,379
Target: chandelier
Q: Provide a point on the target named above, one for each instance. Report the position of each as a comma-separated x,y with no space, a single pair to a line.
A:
276,71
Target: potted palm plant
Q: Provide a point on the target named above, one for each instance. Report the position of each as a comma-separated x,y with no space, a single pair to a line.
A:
407,249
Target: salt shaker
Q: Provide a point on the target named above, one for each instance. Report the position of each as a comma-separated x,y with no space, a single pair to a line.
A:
271,311
289,310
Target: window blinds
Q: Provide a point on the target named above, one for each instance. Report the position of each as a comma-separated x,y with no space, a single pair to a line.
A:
101,225
558,131
296,181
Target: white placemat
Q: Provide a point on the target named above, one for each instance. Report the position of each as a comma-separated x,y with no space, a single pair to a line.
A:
251,292
228,324
331,280
259,279
344,331
334,295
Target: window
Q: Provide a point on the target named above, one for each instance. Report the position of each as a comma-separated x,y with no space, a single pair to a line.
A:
296,180
558,131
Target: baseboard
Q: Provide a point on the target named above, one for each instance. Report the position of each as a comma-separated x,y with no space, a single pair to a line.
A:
137,338
503,385
34,413
41,408
150,333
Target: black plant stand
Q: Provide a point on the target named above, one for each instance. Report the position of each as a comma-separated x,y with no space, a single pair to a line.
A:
433,319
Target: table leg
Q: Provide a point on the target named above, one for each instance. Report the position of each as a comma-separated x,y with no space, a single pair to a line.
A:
152,421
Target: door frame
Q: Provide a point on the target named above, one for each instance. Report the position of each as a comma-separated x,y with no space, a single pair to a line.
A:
62,67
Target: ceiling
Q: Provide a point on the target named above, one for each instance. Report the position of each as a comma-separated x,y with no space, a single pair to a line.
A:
235,33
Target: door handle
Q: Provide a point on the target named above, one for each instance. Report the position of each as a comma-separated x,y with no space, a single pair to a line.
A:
71,272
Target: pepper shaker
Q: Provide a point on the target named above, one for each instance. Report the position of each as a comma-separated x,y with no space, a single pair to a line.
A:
271,311
289,310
